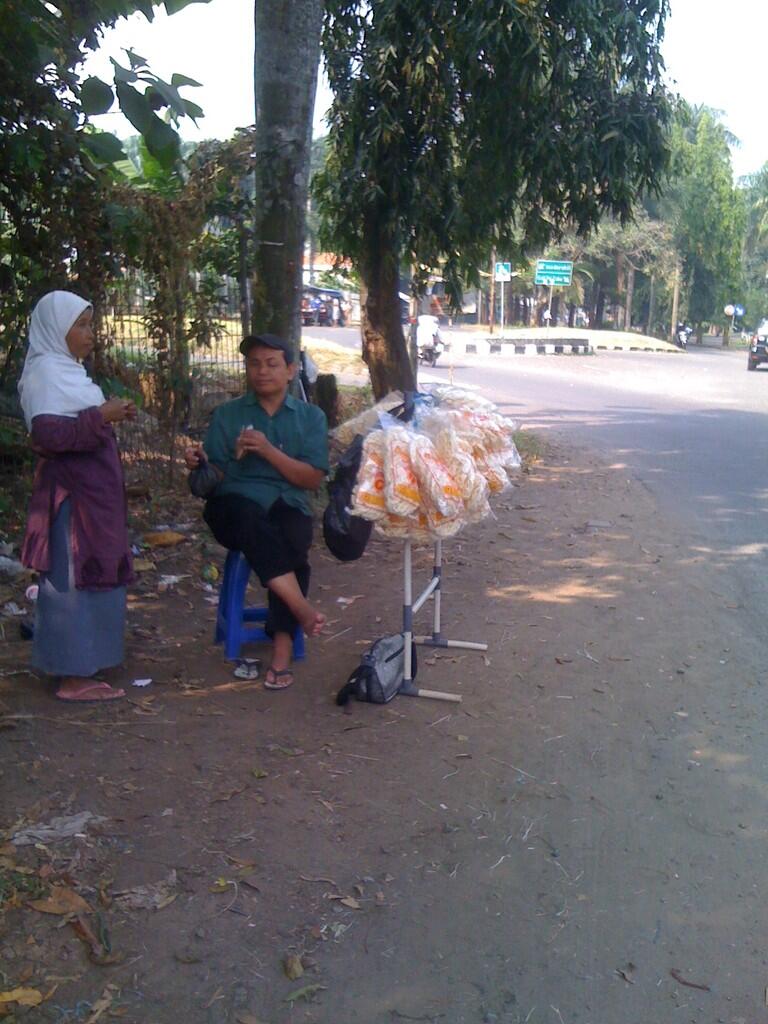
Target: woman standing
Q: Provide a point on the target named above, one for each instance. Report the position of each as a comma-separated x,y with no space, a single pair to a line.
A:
76,535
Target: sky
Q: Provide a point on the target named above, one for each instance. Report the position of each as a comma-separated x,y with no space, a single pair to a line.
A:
715,55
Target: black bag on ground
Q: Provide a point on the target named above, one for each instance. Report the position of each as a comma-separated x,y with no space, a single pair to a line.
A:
379,676
345,535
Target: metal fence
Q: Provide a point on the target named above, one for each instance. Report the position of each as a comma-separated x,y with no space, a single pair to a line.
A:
176,372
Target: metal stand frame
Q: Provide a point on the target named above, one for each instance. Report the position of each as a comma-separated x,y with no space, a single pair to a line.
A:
410,607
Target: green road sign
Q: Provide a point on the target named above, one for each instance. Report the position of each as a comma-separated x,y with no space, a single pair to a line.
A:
554,272
503,272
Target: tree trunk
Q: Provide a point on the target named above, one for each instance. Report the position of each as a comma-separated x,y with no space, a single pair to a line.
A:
675,303
384,347
651,305
618,310
287,51
599,308
630,297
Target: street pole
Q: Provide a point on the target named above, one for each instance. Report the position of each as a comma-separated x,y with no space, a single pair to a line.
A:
549,308
492,304
502,307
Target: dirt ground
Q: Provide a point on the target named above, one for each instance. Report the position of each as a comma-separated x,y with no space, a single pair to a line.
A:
580,840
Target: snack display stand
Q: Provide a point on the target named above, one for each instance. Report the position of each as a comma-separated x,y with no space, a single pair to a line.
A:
410,607
427,470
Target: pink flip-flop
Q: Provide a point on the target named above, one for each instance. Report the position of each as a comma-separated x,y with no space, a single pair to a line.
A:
97,692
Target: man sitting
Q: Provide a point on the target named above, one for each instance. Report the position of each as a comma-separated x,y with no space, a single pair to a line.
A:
269,450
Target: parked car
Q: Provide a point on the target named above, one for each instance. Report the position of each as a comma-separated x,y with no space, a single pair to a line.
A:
758,346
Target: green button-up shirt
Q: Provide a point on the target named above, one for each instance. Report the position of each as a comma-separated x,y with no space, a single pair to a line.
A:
297,428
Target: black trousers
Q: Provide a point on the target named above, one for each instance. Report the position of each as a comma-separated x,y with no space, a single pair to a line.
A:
274,543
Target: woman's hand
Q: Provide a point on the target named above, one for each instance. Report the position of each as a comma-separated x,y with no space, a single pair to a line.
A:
193,456
114,410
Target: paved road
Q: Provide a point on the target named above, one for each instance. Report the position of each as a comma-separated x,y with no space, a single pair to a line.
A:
692,427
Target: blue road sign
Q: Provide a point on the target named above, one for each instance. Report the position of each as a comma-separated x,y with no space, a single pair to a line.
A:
503,272
738,311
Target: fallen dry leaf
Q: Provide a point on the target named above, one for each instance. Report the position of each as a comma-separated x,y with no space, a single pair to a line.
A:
627,973
240,862
293,967
304,993
163,539
218,994
148,897
227,795
351,902
22,996
101,1005
61,900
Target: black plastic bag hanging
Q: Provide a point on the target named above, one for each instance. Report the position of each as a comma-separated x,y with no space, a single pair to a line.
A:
345,535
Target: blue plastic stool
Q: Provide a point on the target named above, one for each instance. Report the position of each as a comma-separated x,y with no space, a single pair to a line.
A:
232,617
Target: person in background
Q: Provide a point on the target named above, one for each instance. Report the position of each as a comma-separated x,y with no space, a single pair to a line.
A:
269,450
77,533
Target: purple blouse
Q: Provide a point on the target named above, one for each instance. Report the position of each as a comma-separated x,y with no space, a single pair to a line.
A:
80,461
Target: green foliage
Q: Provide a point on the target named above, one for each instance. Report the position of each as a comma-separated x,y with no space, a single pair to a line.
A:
166,224
55,170
706,213
454,127
756,248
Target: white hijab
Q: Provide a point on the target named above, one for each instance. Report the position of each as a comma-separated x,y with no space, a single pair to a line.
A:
53,382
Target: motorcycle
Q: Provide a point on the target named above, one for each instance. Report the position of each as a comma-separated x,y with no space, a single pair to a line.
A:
682,334
430,352
429,343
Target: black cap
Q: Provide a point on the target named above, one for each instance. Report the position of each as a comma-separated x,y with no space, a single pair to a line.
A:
269,341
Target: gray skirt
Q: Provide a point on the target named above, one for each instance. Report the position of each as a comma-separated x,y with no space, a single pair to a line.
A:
77,632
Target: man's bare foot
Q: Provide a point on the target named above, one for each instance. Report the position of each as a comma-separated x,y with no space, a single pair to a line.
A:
313,623
77,689
282,651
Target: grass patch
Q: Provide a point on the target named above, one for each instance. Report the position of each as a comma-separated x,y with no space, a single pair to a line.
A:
353,399
333,358
17,886
530,446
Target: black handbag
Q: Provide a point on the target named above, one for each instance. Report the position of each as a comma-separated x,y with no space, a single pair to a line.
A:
379,676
